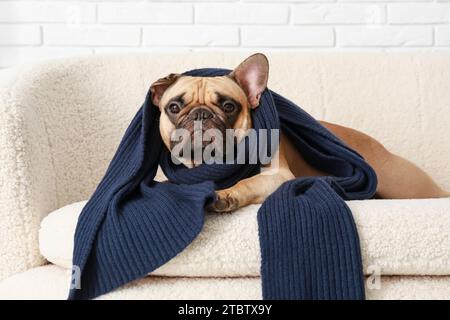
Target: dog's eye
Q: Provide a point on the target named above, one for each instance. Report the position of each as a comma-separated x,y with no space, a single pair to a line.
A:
174,107
228,107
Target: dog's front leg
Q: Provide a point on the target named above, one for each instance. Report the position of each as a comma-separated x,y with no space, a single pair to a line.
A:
252,190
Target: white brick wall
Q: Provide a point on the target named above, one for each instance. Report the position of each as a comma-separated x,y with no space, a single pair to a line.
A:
36,29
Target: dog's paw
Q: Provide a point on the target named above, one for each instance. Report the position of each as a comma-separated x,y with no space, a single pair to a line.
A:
225,202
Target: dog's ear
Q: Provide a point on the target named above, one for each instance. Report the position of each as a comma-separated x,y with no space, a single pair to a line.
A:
158,87
252,75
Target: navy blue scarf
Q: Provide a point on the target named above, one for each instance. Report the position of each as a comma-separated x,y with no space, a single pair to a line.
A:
309,243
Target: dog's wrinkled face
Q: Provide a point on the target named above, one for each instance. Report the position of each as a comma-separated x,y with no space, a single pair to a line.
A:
202,103
217,102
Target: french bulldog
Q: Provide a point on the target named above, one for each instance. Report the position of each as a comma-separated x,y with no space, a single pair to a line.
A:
226,102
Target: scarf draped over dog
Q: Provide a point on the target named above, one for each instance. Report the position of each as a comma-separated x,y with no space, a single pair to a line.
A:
309,243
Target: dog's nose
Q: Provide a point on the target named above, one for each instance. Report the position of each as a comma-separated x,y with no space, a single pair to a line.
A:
200,114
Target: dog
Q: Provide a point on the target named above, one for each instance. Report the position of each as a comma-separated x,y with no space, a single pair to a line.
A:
226,102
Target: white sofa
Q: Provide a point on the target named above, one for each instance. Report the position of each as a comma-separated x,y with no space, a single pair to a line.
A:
61,121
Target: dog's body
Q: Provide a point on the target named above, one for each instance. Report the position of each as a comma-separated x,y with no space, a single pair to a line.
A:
226,102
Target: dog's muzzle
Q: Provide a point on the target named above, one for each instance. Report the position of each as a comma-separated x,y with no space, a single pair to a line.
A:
200,114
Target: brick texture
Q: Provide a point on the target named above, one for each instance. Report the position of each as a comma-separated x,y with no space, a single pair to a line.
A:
36,29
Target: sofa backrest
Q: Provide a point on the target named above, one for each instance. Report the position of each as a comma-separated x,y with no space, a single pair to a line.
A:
85,104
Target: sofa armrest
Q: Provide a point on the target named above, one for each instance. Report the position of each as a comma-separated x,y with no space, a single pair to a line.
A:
27,183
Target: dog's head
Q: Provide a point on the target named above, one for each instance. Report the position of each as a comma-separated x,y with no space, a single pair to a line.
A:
217,103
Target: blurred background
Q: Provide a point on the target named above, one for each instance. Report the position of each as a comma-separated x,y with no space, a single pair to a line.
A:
38,29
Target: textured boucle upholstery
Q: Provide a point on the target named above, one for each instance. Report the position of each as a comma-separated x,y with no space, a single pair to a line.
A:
398,237
51,282
61,121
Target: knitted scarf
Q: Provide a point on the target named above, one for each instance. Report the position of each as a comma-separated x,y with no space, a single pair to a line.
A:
309,243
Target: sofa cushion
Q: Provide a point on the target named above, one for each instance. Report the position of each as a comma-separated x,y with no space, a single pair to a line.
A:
51,282
398,237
